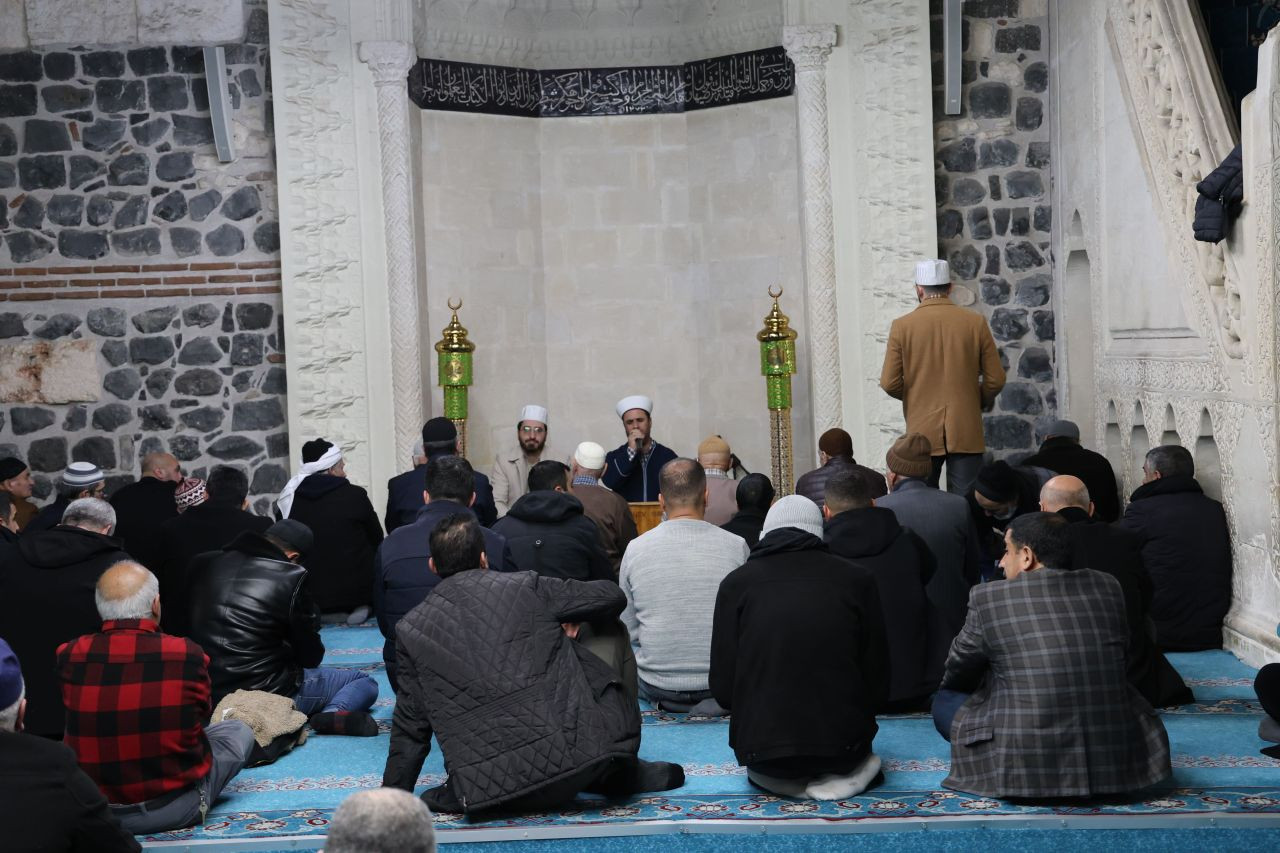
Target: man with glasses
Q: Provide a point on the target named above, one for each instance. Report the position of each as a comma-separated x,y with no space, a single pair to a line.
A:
79,480
510,472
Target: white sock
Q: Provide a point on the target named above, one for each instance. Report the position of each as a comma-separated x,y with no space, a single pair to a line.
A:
835,787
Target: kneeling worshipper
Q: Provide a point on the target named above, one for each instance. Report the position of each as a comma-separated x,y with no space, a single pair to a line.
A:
137,701
632,469
1035,699
346,528
1267,686
801,730
46,801
526,716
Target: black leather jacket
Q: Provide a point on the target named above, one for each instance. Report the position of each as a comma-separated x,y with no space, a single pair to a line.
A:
251,613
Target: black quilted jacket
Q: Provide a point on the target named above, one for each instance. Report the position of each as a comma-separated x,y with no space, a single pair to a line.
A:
514,703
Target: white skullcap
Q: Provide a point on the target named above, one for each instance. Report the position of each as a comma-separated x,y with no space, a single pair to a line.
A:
533,413
933,273
793,511
589,455
635,401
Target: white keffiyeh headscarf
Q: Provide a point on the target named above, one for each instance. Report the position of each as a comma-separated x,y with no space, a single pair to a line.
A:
331,457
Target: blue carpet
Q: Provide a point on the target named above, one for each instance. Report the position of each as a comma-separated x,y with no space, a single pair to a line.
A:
1218,772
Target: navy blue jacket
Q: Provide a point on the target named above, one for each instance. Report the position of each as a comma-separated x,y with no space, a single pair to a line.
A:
634,480
402,579
404,498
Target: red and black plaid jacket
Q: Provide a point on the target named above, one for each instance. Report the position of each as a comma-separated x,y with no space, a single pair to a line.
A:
136,705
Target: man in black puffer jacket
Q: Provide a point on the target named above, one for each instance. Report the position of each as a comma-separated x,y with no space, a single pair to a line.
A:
250,610
902,565
526,717
548,533
1186,548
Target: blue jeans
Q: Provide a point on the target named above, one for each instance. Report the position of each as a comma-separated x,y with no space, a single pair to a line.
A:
946,704
327,689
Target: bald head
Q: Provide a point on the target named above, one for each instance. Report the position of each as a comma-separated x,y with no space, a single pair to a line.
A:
127,591
381,819
1064,491
162,466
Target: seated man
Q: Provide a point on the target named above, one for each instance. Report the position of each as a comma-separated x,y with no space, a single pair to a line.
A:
509,476
800,730
16,482
250,607
1061,718
722,491
606,508
46,801
8,521
401,578
383,820
136,705
1001,493
835,451
670,576
206,526
1186,549
547,531
79,480
1267,687
46,598
346,527
902,565
526,717
404,491
143,506
754,496
1062,453
1118,552
632,470
941,519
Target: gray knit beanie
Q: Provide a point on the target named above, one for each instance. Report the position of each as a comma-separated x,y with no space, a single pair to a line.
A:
794,511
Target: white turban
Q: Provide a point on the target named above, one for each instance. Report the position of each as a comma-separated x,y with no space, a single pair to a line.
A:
589,455
635,401
331,457
933,273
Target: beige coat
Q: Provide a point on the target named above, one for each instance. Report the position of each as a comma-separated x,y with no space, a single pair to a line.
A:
722,499
510,476
942,364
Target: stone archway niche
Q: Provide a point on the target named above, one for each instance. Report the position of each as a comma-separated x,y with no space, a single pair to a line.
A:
596,256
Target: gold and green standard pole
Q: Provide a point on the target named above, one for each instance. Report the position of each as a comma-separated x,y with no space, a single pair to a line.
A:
778,364
453,360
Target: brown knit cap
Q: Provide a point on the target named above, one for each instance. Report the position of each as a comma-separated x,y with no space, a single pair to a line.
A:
909,456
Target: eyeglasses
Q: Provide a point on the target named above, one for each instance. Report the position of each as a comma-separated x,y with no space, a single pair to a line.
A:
533,430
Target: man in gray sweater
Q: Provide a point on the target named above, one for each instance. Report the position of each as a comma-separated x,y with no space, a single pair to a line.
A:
670,576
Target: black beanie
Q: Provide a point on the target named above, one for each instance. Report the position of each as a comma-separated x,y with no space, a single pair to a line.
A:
997,482
314,449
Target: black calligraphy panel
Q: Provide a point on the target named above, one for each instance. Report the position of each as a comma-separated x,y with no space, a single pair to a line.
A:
436,84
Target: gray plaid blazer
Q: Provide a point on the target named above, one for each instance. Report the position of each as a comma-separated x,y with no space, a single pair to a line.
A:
1052,713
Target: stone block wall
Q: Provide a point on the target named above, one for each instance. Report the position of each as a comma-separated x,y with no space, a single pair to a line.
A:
119,225
994,210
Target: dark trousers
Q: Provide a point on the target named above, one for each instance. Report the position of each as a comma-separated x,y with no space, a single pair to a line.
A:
1267,686
946,704
962,471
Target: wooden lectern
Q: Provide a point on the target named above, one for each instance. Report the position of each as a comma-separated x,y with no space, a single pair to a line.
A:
647,515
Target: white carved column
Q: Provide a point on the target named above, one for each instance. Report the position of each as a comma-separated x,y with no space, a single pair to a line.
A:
808,46
389,62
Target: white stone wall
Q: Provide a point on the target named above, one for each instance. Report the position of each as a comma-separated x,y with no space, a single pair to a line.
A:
598,257
1156,352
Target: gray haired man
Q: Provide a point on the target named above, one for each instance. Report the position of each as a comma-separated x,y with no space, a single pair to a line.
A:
384,820
46,583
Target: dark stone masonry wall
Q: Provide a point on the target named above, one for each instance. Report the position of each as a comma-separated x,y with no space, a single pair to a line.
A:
994,213
118,224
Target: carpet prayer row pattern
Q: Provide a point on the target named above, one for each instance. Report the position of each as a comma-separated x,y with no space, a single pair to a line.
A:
1218,769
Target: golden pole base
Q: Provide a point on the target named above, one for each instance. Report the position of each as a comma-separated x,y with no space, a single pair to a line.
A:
461,424
780,451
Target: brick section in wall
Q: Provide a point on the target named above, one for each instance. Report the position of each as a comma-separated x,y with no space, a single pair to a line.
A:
994,212
134,281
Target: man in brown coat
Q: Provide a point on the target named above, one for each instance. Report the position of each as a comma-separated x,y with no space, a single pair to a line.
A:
607,509
942,364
